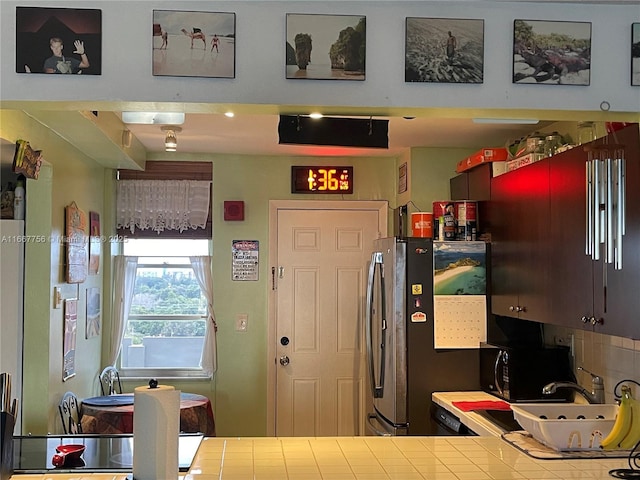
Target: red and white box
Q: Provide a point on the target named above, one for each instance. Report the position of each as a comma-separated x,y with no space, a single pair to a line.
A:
482,156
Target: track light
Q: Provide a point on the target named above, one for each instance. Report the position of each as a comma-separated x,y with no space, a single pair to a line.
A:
171,139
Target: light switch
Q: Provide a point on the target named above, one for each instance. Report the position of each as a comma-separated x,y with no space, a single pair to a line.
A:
242,321
57,297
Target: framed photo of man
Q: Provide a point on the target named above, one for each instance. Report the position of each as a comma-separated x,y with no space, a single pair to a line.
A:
59,40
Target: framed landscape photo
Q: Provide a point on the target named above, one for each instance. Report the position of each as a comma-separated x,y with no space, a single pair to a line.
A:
551,52
444,50
326,47
635,54
194,44
59,40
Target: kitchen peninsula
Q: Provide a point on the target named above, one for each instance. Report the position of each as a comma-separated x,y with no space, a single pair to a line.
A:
370,458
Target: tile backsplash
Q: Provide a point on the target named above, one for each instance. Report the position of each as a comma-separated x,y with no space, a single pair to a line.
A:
612,358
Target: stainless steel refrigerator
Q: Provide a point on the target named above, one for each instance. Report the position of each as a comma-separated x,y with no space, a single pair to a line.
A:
404,368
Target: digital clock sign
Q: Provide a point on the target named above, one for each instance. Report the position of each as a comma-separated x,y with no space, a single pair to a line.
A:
321,179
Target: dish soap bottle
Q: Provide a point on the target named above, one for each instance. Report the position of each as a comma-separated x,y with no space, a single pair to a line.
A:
19,200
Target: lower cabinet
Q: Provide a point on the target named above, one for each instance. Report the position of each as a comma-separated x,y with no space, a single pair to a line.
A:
537,217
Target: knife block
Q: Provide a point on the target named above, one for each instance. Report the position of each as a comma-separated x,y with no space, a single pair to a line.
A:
7,424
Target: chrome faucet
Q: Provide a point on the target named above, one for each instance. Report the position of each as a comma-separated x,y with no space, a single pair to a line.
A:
596,395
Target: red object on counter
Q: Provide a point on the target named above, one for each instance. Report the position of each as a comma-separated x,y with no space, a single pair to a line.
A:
482,405
66,455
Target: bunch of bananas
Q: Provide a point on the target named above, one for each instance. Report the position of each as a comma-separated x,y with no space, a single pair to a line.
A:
625,433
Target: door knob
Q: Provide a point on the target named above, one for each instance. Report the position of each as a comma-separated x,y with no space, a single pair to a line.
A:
284,360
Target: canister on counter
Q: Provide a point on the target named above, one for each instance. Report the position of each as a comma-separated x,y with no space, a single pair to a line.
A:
438,218
467,223
422,224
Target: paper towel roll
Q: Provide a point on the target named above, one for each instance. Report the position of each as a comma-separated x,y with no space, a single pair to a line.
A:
156,430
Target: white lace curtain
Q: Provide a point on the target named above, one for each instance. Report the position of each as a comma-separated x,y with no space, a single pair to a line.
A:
162,204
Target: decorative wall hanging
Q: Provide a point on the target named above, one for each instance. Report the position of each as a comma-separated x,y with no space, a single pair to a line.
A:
194,44
69,338
93,313
444,50
76,244
26,160
329,47
551,52
58,40
95,243
635,54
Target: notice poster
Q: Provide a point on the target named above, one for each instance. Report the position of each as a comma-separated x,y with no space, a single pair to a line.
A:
245,260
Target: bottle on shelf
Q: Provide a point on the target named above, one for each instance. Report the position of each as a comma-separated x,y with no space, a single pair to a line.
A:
19,200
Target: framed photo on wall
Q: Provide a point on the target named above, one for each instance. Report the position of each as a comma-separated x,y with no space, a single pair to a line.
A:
326,47
551,52
444,50
59,40
635,54
194,44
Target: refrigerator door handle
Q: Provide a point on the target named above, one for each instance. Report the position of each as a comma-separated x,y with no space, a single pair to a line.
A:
376,387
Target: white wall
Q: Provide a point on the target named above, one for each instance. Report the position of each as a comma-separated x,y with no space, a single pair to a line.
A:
260,72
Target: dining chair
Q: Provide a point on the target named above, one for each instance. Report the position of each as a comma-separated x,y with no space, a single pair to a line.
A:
70,414
110,381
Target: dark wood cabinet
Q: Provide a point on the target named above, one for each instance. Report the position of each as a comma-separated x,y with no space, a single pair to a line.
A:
518,216
474,184
540,269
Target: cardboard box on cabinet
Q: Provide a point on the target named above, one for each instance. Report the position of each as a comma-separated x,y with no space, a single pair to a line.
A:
482,156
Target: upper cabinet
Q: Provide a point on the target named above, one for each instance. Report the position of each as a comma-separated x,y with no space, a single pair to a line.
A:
518,221
538,222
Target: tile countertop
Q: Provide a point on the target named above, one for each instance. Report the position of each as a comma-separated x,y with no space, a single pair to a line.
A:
370,458
475,422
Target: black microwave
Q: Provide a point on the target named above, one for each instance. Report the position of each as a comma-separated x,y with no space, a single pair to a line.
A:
518,373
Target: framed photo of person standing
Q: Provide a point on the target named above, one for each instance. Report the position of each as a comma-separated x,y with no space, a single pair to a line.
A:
58,40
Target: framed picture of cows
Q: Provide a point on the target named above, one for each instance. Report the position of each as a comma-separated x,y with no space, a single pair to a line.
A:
326,47
551,52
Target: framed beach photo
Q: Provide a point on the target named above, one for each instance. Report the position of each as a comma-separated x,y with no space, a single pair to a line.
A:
326,47
444,50
551,52
194,44
59,40
635,54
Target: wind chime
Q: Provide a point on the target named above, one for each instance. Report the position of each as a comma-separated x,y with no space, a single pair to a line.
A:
605,212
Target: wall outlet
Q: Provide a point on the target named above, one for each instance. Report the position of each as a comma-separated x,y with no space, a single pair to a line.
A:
242,322
566,340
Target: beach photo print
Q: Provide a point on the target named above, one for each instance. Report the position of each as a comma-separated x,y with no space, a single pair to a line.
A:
194,44
326,47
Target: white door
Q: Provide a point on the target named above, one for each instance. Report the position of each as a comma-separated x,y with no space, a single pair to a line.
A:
319,320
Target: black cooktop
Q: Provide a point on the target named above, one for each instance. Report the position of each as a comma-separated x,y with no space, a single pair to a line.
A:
502,418
114,453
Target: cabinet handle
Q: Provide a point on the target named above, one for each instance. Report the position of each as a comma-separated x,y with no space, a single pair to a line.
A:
596,321
584,319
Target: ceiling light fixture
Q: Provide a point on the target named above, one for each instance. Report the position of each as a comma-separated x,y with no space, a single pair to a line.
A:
508,121
171,139
153,118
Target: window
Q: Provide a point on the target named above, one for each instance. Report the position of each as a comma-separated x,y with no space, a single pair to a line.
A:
167,323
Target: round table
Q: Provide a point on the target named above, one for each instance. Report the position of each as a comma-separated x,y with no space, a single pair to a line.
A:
113,414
